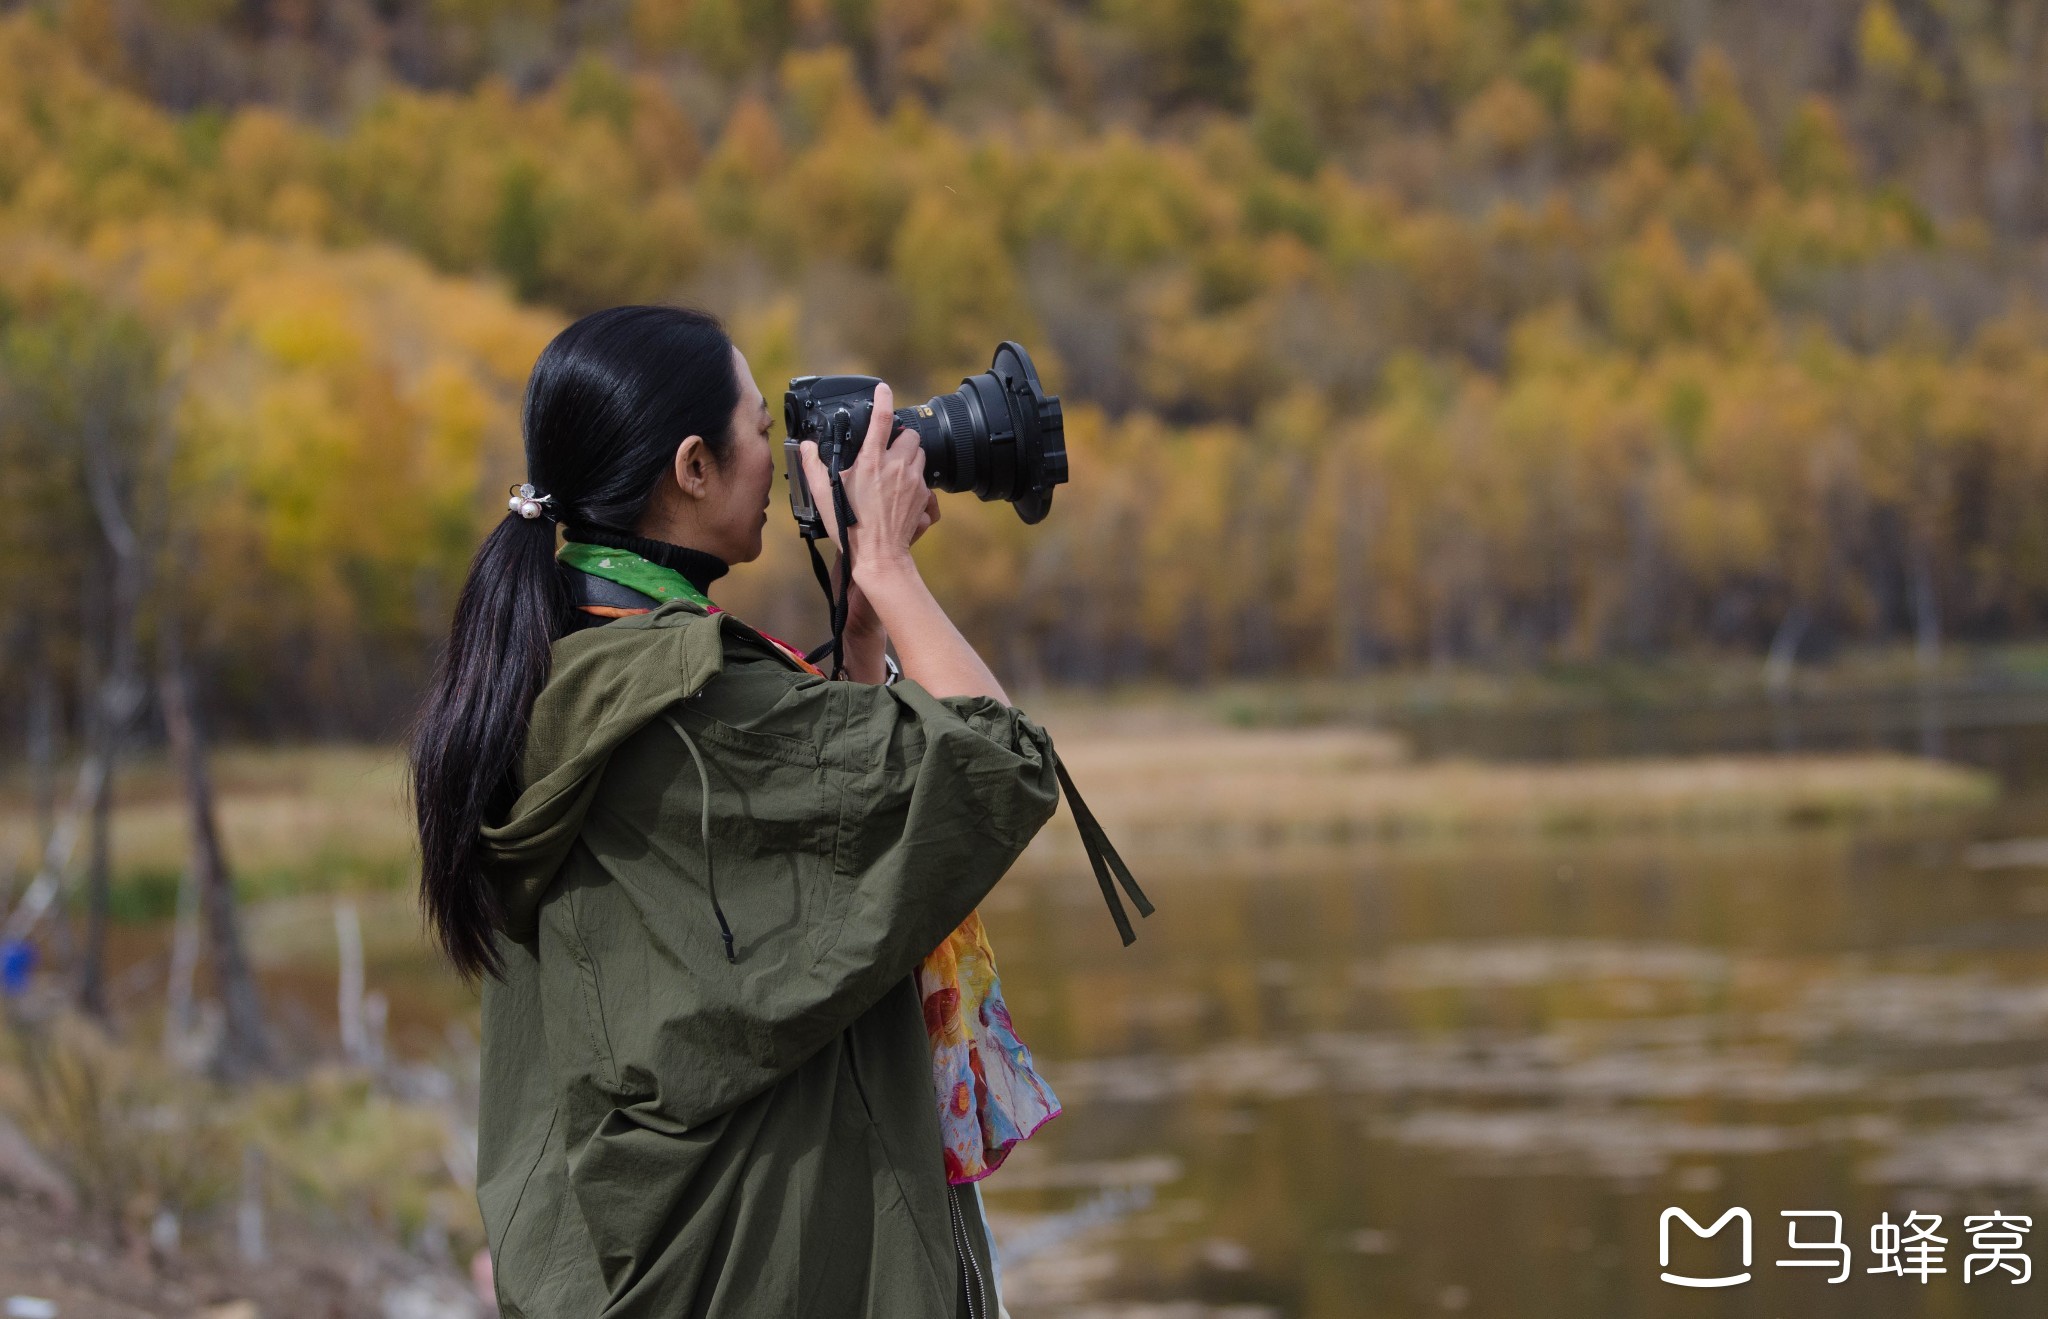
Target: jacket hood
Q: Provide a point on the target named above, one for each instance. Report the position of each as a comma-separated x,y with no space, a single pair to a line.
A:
606,684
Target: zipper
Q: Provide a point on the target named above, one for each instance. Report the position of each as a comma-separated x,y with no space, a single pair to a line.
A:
977,1302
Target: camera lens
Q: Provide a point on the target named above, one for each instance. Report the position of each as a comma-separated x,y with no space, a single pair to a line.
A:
1000,435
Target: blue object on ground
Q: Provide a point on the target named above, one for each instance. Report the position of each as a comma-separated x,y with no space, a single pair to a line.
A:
17,963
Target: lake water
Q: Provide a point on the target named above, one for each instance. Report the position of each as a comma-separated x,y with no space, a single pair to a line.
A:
1437,1080
1469,1080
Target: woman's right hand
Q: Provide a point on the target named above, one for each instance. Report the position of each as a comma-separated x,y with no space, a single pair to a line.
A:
885,487
892,505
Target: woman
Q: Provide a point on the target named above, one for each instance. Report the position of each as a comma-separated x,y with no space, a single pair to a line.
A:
744,1052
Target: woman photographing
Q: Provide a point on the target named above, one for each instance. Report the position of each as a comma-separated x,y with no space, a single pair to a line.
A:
744,1049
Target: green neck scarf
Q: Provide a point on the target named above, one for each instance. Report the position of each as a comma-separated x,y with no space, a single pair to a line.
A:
631,571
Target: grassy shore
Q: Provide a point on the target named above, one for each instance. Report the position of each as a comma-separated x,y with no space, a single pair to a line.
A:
333,819
1220,787
311,819
1670,683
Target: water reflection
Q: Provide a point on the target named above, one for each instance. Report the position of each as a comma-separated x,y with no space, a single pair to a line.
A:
1467,1079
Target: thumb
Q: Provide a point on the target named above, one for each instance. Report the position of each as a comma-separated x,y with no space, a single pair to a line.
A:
818,482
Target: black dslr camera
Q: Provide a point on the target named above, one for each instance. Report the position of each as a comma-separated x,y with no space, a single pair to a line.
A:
1000,435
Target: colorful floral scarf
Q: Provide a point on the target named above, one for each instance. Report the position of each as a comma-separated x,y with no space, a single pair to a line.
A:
989,1094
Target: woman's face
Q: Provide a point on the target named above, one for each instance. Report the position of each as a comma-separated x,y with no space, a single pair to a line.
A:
721,507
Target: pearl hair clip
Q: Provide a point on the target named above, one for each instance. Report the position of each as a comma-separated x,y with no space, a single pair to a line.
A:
528,502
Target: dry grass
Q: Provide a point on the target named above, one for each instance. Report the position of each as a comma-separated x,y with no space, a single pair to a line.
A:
1219,786
358,1163
321,819
304,817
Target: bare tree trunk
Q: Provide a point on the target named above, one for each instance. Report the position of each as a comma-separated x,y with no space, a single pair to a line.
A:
249,1236
116,707
98,804
245,1048
99,887
348,938
185,933
1926,612
45,888
43,754
1351,603
1783,658
120,697
179,987
39,747
42,748
1779,667
1927,649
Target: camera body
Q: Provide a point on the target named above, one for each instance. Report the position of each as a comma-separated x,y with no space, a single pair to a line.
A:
1000,435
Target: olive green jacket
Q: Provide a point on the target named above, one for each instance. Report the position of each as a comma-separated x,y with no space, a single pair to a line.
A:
668,1132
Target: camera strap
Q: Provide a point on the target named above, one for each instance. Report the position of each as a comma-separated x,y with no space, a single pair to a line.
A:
836,603
1103,857
842,508
824,575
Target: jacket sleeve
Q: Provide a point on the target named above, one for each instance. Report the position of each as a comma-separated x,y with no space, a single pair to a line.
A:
853,827
944,794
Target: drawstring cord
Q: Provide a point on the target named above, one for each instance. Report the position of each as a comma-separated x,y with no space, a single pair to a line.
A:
704,780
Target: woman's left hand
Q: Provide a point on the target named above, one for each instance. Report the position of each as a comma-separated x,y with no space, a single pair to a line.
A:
860,615
931,515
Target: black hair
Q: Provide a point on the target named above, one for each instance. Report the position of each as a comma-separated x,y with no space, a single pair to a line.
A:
609,401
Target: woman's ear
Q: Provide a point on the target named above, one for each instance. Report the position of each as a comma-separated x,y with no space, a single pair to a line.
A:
693,467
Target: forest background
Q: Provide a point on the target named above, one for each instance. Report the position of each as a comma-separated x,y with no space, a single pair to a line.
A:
1389,330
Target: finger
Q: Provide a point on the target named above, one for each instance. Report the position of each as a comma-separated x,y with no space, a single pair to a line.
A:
905,447
880,422
898,441
817,474
905,454
817,480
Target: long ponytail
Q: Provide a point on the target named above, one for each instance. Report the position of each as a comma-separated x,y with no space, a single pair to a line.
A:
608,402
466,748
